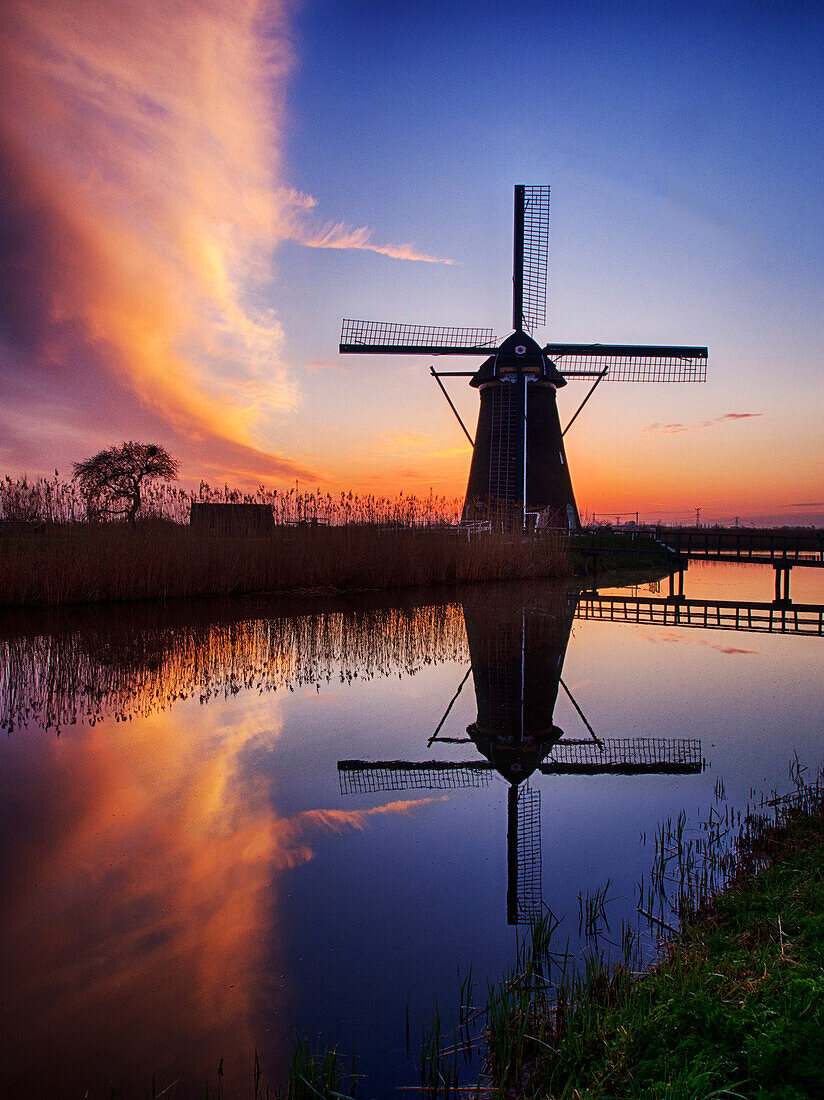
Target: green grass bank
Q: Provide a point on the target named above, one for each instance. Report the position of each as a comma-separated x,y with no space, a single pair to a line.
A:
734,1008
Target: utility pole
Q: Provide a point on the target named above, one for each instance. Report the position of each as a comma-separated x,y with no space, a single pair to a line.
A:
697,517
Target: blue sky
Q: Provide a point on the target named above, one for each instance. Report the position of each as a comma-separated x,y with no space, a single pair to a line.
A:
681,144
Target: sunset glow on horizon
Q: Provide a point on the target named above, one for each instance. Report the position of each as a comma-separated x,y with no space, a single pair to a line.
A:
195,194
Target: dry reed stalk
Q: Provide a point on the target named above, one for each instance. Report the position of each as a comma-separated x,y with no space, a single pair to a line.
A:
81,563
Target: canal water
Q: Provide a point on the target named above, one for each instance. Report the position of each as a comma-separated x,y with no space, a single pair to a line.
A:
227,825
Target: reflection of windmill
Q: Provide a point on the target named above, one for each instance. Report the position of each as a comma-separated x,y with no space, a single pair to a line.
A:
518,462
517,656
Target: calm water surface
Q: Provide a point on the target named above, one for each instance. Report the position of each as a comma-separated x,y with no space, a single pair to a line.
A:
227,824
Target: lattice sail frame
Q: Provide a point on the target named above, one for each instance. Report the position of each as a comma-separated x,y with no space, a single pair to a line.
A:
536,253
639,755
389,336
529,893
364,776
631,368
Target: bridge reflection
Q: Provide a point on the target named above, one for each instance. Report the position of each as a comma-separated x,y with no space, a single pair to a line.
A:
759,617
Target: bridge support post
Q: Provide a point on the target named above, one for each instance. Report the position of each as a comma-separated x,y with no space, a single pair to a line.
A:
782,582
590,563
676,594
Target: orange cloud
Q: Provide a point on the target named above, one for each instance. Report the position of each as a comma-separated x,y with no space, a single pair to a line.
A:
137,142
140,203
142,912
292,225
315,366
727,650
141,916
292,847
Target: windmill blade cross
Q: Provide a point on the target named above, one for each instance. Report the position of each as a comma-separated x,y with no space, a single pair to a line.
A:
628,756
390,338
519,474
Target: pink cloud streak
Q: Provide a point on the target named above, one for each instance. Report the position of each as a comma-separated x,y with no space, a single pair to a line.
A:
673,429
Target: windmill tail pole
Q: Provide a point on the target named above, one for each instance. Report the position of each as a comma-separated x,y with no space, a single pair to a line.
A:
436,376
600,378
434,736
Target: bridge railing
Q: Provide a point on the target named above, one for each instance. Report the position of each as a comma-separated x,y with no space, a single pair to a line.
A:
744,544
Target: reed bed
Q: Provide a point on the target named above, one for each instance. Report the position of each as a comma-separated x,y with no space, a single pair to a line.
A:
732,1004
86,563
58,500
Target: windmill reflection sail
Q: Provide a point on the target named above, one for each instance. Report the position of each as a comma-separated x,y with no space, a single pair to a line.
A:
517,651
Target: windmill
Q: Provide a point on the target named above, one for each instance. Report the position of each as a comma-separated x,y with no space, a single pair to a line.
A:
519,466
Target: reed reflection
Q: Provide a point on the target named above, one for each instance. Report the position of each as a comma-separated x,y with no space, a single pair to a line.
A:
62,668
143,658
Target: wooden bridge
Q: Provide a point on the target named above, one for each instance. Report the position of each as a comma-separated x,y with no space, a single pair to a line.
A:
767,546
782,548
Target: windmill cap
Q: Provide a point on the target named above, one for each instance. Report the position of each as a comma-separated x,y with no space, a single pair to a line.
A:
515,762
518,352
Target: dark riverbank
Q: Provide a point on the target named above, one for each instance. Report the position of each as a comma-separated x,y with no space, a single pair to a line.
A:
57,564
66,564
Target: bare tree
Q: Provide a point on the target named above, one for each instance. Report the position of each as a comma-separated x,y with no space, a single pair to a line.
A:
112,479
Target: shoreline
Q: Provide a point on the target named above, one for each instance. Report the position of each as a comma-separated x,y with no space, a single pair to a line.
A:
61,565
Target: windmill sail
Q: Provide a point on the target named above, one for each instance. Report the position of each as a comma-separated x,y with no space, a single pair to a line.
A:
536,252
389,338
630,362
524,896
367,776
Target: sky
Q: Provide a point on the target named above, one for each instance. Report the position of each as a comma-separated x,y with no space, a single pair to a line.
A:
193,193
